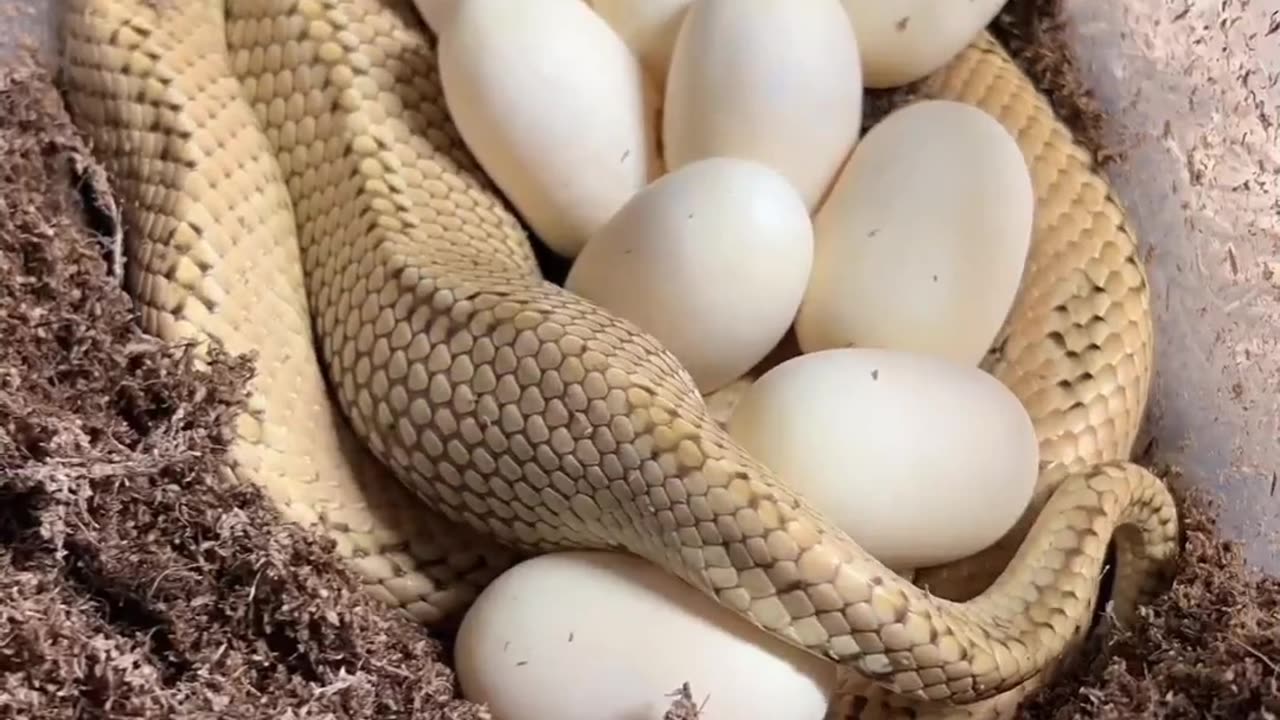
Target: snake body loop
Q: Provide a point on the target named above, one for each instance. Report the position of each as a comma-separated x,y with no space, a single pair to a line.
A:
293,187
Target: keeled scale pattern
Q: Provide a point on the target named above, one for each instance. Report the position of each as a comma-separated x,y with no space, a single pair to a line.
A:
523,412
1077,346
213,258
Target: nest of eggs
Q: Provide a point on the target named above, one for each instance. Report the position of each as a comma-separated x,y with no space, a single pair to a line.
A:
136,582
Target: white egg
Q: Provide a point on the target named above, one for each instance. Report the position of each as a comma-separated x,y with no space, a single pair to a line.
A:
903,41
649,27
775,81
923,241
554,106
606,636
711,259
920,460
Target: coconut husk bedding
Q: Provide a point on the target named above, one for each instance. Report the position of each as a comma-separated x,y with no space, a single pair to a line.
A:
138,582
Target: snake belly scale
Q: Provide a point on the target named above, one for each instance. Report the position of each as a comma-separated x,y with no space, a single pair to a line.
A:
292,186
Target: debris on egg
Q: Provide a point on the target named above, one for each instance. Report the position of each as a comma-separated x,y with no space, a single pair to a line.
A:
921,460
924,238
607,636
554,106
903,41
711,259
775,82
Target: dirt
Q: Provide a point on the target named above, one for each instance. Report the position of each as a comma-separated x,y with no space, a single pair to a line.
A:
137,582
1032,31
1208,648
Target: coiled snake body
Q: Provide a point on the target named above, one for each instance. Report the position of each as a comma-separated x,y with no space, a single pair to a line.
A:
291,182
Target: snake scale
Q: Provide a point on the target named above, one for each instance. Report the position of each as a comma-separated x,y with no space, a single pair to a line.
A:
292,187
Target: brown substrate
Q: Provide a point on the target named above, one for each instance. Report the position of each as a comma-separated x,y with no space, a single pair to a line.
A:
1032,32
1208,648
136,583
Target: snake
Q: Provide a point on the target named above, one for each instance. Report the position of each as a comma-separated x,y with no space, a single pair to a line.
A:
292,189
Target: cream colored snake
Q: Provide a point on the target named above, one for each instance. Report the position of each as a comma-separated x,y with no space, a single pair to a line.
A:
291,182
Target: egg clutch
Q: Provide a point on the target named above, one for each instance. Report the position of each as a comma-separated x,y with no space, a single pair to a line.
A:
701,165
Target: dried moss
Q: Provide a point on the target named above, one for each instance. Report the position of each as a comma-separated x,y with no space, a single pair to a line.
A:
135,580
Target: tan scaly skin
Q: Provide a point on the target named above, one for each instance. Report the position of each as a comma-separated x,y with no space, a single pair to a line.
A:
291,182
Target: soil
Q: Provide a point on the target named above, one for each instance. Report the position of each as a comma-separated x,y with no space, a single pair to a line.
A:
1032,32
1208,648
137,582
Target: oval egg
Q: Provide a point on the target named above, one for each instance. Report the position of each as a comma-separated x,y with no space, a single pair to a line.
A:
608,636
649,27
920,460
712,260
555,108
922,243
901,42
775,82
